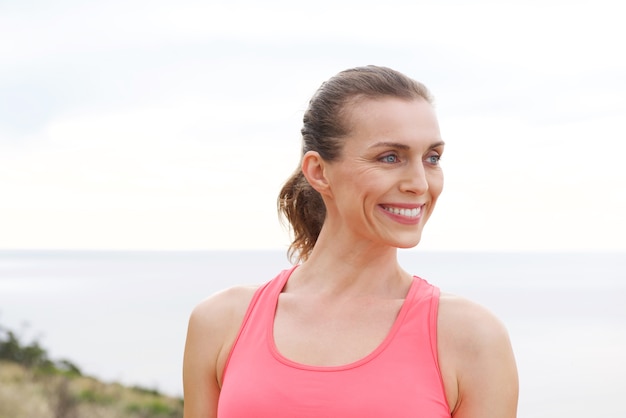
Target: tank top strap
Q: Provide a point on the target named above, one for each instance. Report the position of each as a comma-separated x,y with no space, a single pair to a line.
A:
264,295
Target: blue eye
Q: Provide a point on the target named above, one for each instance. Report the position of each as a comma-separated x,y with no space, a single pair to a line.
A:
433,159
391,158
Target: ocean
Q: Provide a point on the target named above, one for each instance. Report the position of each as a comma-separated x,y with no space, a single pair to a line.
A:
122,316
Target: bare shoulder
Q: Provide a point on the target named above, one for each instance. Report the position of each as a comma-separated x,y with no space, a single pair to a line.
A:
470,323
476,360
215,322
222,308
213,326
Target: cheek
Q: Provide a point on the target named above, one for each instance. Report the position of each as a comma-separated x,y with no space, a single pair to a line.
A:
435,185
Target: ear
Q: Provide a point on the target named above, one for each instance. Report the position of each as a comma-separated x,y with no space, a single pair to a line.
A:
314,170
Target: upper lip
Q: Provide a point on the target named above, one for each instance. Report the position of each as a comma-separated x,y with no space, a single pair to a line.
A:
403,205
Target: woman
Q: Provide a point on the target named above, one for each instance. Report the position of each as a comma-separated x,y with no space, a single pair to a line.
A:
347,332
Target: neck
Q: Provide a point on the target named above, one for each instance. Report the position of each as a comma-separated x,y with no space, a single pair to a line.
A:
350,268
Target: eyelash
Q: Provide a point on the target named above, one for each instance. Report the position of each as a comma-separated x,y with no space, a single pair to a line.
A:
385,159
437,158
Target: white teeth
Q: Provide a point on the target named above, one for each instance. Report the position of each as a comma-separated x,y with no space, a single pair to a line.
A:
409,213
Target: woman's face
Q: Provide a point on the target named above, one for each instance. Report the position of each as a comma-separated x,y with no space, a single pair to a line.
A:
386,182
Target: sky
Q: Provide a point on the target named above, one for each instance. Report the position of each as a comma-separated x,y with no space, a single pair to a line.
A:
152,125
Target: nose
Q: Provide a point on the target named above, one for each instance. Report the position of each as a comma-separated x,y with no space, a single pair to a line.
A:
415,179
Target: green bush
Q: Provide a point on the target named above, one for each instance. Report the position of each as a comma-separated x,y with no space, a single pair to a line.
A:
146,391
33,356
95,397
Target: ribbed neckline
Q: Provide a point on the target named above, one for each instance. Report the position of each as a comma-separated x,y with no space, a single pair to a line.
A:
379,349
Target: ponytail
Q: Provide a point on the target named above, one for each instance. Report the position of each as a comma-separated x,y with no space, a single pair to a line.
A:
303,207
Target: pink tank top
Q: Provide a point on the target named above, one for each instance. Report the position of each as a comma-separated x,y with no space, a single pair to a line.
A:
398,379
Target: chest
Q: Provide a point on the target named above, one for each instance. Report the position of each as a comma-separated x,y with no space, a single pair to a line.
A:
321,333
364,360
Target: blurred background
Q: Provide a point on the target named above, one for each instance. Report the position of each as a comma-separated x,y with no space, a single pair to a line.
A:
152,125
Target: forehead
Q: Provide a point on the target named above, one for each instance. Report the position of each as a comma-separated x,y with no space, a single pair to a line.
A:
392,118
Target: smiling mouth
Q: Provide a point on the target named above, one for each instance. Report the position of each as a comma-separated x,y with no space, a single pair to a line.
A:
408,213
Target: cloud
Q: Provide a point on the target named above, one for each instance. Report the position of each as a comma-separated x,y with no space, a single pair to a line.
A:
120,119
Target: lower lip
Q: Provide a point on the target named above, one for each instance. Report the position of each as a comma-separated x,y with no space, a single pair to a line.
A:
402,219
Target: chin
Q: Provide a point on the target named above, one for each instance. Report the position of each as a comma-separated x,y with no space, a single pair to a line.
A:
407,246
409,242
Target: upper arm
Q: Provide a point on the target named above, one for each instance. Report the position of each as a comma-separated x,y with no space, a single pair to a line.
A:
477,361
213,327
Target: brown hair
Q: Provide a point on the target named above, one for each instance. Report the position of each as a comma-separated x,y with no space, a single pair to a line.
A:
324,125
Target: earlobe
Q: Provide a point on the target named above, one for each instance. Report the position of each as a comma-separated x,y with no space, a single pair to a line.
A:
313,168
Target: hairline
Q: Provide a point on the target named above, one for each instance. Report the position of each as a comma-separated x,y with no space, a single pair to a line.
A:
346,109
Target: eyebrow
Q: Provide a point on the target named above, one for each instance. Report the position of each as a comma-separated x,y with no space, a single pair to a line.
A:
398,145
